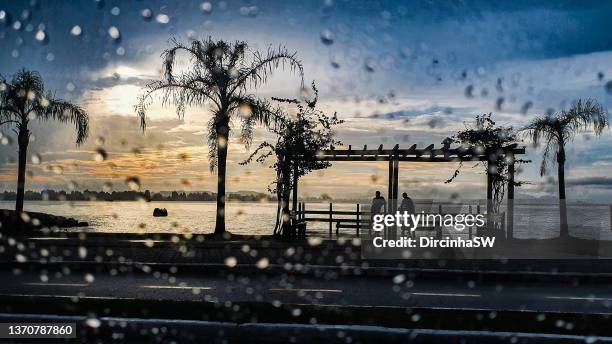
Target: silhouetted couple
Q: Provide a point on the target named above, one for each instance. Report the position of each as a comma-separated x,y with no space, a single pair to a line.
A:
379,205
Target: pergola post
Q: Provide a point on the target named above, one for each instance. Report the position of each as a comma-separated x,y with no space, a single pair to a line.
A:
295,189
510,205
490,218
393,188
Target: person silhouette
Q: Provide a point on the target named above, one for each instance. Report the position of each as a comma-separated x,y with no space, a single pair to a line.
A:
407,204
379,205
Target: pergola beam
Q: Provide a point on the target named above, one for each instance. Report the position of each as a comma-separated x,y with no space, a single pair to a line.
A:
428,154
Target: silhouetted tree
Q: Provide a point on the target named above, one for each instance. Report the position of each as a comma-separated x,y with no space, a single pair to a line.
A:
299,138
555,131
23,99
219,74
484,136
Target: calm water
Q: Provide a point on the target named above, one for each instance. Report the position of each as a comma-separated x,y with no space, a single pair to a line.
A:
531,221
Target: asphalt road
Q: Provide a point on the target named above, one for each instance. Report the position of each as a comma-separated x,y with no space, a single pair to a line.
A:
256,285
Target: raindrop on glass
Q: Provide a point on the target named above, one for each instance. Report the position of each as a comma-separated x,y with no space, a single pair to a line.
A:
115,11
263,263
249,11
133,183
206,7
100,155
89,278
525,108
231,262
107,187
40,35
162,18
327,37
469,91
93,322
36,159
76,30
146,14
608,87
114,33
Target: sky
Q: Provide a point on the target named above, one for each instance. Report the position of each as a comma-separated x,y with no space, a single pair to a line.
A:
395,71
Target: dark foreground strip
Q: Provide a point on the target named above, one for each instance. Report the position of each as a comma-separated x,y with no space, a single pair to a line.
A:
261,312
574,278
117,329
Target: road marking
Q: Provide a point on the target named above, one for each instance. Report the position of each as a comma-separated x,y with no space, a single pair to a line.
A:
173,287
587,298
307,290
58,284
49,238
71,296
446,294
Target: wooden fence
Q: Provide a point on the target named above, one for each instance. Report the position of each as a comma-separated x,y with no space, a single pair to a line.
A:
359,219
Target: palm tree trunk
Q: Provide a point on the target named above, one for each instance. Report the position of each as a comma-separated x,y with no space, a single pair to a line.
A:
23,141
221,174
563,226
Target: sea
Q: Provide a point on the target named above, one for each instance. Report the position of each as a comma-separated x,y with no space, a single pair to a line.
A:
530,221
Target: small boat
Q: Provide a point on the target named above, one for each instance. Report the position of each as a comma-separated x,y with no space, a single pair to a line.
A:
160,212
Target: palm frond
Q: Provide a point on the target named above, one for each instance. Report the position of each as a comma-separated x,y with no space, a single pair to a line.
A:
66,112
555,131
581,115
264,64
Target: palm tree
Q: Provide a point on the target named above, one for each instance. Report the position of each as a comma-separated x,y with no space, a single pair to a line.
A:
22,100
219,74
556,131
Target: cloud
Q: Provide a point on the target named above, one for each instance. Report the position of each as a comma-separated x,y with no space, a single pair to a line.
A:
599,182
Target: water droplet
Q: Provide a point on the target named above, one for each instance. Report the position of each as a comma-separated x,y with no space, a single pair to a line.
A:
469,91
40,35
89,278
115,11
249,11
93,322
36,159
146,14
76,30
327,37
608,87
206,7
114,33
70,87
263,263
369,65
162,18
57,169
498,103
100,155
133,183
525,108
233,72
314,241
399,279
107,187
231,262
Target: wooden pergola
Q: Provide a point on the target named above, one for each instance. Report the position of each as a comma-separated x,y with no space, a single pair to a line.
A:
430,153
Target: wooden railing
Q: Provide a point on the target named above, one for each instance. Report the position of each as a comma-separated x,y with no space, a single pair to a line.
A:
359,219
